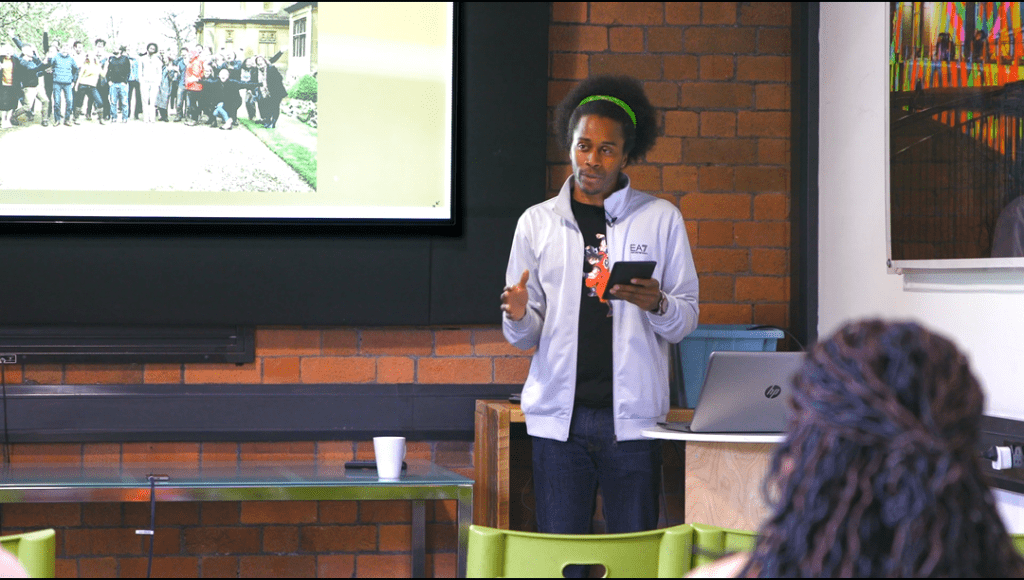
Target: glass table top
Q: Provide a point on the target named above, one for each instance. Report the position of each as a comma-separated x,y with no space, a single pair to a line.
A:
212,474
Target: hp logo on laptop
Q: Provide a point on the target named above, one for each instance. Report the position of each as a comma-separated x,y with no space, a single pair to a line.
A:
773,391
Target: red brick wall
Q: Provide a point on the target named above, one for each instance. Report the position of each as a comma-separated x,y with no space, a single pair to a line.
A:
478,355
239,539
718,74
269,538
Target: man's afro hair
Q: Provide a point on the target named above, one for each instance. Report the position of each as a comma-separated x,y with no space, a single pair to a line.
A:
639,139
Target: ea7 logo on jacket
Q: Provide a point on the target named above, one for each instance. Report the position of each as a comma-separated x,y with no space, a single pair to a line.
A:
638,248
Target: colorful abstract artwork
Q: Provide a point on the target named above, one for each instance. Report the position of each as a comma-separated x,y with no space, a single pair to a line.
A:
955,44
956,96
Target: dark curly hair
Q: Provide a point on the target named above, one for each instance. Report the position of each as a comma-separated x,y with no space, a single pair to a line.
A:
879,473
639,139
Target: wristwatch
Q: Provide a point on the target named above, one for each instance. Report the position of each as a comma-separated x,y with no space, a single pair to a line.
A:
662,306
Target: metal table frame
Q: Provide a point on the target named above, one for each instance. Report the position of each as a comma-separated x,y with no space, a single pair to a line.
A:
275,481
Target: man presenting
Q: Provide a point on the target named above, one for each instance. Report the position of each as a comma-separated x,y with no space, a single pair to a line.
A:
600,372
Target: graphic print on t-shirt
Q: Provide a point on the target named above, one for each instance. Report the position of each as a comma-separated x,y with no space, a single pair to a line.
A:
597,278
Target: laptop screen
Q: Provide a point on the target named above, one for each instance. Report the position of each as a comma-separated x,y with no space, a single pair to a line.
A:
746,392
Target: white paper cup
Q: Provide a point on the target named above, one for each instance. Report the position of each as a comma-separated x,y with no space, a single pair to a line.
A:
389,453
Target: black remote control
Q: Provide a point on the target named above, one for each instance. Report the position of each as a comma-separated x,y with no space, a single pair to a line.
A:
366,464
360,465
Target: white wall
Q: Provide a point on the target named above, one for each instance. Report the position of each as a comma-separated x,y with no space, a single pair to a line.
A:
853,279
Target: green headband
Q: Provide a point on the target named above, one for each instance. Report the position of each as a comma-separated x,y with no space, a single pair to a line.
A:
617,101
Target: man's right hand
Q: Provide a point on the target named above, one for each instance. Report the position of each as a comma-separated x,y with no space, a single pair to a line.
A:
515,298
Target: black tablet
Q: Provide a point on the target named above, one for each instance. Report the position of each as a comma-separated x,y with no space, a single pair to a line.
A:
623,272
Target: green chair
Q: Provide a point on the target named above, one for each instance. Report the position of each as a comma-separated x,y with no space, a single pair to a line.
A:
1018,542
710,542
494,553
35,550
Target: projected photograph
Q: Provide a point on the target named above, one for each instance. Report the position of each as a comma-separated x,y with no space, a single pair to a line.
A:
215,110
956,133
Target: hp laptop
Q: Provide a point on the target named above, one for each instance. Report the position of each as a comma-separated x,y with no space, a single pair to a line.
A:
744,392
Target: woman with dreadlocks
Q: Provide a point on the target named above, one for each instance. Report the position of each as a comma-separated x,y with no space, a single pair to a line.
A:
879,472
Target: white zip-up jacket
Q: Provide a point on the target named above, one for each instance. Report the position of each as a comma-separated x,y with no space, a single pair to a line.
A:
549,244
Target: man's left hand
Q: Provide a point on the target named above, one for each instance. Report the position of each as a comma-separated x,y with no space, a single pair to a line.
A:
644,292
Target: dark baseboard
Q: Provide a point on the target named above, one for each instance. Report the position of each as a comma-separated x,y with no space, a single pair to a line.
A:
97,413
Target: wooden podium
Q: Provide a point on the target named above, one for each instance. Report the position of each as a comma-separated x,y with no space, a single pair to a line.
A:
492,446
723,476
503,464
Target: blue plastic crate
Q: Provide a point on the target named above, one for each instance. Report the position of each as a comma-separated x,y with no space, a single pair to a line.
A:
695,350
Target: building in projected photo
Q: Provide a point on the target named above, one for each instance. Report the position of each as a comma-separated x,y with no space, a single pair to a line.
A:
248,28
264,28
302,22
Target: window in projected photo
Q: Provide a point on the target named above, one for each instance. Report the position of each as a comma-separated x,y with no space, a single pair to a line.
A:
226,110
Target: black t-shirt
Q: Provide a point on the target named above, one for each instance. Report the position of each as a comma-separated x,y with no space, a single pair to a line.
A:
119,68
594,353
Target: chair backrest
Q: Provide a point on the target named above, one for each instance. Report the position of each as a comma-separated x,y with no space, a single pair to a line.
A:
1018,542
494,553
37,551
712,542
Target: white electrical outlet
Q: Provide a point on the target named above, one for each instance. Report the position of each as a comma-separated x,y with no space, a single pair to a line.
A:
1003,459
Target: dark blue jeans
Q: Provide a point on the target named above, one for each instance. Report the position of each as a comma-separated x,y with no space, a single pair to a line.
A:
119,101
95,102
62,99
219,112
567,475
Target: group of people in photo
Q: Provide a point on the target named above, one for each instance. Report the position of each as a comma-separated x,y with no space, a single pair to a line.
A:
196,86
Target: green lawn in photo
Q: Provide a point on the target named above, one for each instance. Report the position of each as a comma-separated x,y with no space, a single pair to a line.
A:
298,156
